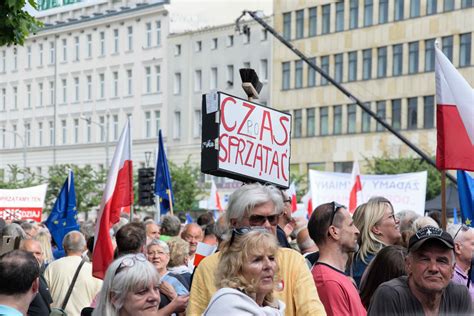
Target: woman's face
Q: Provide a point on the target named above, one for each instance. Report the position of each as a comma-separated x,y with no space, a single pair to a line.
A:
143,301
388,227
158,258
260,268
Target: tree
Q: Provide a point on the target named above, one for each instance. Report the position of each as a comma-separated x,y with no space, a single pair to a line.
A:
15,23
20,178
385,165
184,181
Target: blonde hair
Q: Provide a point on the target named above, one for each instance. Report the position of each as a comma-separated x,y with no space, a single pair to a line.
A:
235,253
179,251
44,238
365,217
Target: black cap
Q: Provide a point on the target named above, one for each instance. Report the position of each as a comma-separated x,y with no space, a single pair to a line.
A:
430,233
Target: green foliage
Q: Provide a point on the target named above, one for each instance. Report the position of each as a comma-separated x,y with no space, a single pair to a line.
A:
301,184
20,178
184,180
15,23
384,165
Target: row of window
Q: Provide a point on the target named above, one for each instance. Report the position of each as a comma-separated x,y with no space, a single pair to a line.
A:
334,65
307,19
36,53
343,119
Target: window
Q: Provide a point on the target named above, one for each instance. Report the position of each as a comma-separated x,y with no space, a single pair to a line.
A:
399,7
102,86
397,114
28,55
4,63
148,34
64,86
263,69
412,113
382,62
76,131
431,7
15,59
28,134
28,96
130,38
285,74
448,5
298,74
40,133
367,64
177,125
383,11
230,75
197,126
51,92
337,123
4,98
15,98
102,128
366,119
88,131
413,57
352,76
115,127
158,32
299,24
351,118
230,40
312,21
466,3
246,37
40,94
198,46
339,16
197,80
414,8
323,121
177,49
310,123
148,124
380,114
89,87
338,67
64,41
428,111
325,68
51,133
14,137
264,35
76,89
287,26
430,55
116,41
326,23
465,50
213,83
177,83
353,14
447,43
64,131
129,82
247,64
214,43
40,56
397,60
312,73
298,123
76,48
368,12
89,45
344,166
158,78
148,79
115,83
102,43
157,122
51,54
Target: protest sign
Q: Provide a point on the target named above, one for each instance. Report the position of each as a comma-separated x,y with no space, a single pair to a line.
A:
406,191
245,141
22,204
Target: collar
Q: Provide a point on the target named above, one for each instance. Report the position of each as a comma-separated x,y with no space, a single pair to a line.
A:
460,272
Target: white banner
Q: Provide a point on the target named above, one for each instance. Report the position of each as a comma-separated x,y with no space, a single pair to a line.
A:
406,191
26,203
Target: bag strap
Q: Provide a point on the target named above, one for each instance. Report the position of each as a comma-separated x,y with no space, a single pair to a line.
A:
69,291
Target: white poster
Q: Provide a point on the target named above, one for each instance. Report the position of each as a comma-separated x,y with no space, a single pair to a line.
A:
22,204
406,191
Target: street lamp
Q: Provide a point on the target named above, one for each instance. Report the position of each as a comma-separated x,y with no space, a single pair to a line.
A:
16,134
89,120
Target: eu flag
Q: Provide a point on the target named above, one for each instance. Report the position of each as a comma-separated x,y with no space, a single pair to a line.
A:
163,188
466,197
63,217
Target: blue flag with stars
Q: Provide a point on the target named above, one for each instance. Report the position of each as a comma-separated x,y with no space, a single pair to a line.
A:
466,197
163,188
63,217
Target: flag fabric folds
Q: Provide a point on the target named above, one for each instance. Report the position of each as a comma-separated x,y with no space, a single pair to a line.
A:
356,187
308,202
117,197
163,188
214,202
454,117
466,197
455,216
63,217
292,194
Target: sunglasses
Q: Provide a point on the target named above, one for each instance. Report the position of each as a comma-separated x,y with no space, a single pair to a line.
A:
463,227
130,262
245,230
335,207
259,220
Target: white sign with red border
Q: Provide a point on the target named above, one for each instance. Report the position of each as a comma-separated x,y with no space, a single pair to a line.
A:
22,204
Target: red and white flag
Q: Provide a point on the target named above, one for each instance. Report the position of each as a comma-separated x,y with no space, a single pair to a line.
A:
307,200
118,196
215,199
292,194
356,188
454,117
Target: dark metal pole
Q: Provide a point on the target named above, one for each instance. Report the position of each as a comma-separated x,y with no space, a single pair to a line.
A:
422,154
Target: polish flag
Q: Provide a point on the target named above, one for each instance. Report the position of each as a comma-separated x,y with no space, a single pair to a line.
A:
356,187
454,117
215,199
307,200
117,197
292,194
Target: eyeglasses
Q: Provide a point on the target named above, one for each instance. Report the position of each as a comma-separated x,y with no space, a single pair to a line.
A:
259,220
130,262
245,230
463,227
288,200
335,207
428,232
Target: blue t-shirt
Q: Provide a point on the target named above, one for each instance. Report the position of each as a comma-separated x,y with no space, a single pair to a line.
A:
178,286
9,311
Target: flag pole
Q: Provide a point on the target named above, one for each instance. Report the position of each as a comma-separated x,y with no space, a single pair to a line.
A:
171,201
443,199
131,212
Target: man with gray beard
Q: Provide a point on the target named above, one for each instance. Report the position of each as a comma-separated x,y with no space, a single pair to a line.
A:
331,227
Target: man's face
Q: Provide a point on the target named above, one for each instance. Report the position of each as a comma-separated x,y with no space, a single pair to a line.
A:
465,247
263,215
34,247
430,268
193,235
153,231
349,233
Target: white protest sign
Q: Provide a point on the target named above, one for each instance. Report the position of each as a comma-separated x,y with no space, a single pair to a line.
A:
406,191
26,203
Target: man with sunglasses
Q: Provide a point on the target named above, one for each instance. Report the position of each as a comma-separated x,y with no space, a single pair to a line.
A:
464,252
256,205
332,229
427,289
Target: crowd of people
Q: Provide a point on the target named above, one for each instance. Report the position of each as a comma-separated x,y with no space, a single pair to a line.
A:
372,262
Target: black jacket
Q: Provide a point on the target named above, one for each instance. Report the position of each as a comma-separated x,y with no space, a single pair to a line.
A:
40,306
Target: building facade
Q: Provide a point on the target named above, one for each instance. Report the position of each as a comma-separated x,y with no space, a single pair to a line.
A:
382,51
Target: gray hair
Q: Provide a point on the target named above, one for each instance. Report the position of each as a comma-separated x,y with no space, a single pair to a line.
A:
406,218
119,284
74,241
161,243
170,225
248,196
457,231
122,222
14,230
423,221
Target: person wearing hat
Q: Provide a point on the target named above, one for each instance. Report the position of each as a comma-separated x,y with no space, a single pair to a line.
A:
427,289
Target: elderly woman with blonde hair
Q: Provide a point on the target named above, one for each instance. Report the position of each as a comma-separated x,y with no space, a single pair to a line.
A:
246,275
178,264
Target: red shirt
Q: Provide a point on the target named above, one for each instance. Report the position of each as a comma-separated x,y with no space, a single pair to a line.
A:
337,293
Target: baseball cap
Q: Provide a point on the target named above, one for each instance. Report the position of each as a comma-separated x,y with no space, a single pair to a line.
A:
430,233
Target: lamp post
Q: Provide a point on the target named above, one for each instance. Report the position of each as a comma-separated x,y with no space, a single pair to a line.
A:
16,134
89,120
